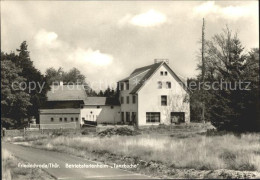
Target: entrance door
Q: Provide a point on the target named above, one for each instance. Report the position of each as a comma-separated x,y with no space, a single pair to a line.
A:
133,118
177,117
127,117
122,117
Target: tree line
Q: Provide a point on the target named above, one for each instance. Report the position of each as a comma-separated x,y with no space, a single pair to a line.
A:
19,101
224,59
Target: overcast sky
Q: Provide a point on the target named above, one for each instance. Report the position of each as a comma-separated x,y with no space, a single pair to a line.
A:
107,40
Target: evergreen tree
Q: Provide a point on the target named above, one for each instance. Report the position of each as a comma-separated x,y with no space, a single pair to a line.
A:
101,93
31,74
230,108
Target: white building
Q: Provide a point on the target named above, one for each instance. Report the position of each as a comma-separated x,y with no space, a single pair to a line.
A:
69,103
151,95
97,110
154,95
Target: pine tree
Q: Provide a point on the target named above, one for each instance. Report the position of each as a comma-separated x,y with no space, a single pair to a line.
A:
31,74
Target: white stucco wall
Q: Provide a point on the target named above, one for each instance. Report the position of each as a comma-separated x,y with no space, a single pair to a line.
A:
103,114
149,98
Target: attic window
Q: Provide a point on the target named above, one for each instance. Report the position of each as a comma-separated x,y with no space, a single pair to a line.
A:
161,73
72,119
60,119
52,119
98,107
65,119
165,73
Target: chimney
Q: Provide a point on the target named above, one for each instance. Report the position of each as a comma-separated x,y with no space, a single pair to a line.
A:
161,60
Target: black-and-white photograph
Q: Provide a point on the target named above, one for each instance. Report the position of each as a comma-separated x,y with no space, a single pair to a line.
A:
124,89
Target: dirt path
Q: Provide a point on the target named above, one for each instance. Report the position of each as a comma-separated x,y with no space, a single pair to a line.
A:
59,161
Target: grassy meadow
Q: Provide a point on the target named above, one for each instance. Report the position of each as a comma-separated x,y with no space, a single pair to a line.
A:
184,151
196,151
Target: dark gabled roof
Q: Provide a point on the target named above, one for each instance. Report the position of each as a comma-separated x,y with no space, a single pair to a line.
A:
137,71
102,101
152,70
60,111
62,104
141,69
66,92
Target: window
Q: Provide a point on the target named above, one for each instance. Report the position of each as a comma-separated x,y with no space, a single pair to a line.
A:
161,73
127,116
122,100
76,119
83,119
127,85
65,119
164,100
177,117
152,117
72,119
112,107
121,86
127,99
122,116
52,119
60,119
133,117
98,107
81,106
165,73
133,99
168,85
159,84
